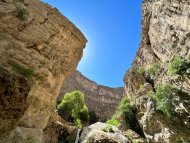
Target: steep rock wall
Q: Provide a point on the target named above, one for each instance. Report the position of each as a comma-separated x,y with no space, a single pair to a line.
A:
100,99
38,48
165,34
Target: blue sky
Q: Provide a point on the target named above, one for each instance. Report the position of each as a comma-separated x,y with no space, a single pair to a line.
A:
112,28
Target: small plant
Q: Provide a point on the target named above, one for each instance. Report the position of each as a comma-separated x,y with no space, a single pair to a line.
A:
179,66
141,70
164,97
23,14
154,69
90,139
27,72
113,121
108,129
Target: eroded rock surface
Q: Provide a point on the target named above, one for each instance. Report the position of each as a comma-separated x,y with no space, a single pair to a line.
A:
100,99
38,48
165,35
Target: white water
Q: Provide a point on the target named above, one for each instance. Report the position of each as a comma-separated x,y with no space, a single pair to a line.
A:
78,136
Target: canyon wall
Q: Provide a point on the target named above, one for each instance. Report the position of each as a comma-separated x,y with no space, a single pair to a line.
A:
100,99
38,48
165,38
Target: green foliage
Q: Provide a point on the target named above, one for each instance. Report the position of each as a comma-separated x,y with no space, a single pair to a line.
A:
126,107
153,69
73,105
27,72
108,129
179,66
113,121
164,96
23,14
141,70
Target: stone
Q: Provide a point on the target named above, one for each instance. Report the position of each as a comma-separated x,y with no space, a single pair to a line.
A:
165,28
39,48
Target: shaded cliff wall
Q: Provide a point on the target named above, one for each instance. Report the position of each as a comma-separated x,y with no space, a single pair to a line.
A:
165,35
101,99
38,48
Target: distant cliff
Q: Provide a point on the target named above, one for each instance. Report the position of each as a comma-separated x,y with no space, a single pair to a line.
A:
101,99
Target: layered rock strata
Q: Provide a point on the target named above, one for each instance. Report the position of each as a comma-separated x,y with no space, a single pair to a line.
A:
100,99
38,48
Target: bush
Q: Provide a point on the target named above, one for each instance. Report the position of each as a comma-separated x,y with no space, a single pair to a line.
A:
113,121
141,70
154,69
108,129
179,66
73,107
23,14
164,97
27,72
126,108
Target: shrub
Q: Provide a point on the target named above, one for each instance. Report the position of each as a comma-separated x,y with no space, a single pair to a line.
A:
179,66
23,14
140,70
153,69
27,72
73,107
164,97
126,108
108,129
113,121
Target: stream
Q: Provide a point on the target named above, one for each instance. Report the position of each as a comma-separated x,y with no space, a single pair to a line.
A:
78,136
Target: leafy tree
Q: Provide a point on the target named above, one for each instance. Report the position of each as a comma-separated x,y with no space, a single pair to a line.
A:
179,66
73,108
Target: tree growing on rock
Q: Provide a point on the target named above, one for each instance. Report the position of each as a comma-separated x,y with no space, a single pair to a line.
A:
73,108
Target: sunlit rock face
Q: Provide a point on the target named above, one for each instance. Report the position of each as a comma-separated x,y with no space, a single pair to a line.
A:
165,34
38,48
100,99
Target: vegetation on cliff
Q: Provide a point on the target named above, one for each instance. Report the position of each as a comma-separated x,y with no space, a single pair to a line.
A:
164,97
125,108
179,66
73,108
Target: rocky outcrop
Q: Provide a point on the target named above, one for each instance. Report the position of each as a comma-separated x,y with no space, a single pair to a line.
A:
100,99
38,48
165,35
105,133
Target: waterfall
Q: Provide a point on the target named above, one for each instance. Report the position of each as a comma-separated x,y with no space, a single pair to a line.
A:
78,136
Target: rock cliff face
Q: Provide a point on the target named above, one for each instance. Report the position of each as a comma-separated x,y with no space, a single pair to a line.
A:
100,99
165,37
38,48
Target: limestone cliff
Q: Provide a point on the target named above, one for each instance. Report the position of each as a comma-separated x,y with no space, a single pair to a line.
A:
38,48
165,36
100,99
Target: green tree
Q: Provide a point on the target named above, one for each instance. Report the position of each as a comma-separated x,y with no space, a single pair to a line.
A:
73,108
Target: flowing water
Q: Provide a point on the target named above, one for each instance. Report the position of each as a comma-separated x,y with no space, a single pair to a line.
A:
78,136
